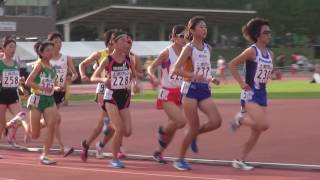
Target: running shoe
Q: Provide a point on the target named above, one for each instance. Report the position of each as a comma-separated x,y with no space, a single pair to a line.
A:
116,163
46,161
68,151
16,119
157,156
13,143
241,165
181,165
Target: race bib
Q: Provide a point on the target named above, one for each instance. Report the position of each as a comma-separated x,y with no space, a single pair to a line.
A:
61,77
185,87
163,94
203,68
10,78
33,101
120,79
175,79
263,72
46,82
100,88
246,95
107,94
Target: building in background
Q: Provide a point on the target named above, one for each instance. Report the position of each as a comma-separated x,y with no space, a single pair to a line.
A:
148,23
27,19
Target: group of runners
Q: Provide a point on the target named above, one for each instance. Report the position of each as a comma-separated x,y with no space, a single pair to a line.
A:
185,88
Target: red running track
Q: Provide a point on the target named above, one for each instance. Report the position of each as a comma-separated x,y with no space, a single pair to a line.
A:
25,166
292,138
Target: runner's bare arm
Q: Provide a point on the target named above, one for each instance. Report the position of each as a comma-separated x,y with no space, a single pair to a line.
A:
30,80
247,55
157,62
96,76
89,60
182,59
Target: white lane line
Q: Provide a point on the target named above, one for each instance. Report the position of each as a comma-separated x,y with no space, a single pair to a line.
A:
7,179
114,171
273,165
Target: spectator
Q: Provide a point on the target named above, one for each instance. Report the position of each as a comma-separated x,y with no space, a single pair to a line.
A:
316,75
221,67
280,61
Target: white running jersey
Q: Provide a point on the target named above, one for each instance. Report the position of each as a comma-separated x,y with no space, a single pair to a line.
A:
263,68
201,61
169,80
61,66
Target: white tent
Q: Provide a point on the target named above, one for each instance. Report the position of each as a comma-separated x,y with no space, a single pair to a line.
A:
82,49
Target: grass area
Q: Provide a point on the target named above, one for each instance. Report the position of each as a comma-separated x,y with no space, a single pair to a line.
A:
276,90
81,97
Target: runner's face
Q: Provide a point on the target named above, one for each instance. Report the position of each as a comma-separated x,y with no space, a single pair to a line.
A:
57,44
265,34
10,49
200,30
124,44
179,39
47,53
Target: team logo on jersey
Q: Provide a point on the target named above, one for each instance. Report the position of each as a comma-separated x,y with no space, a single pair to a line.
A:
202,55
264,60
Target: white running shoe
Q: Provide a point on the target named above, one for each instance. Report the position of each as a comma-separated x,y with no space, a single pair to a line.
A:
13,143
99,151
236,122
241,165
46,161
17,118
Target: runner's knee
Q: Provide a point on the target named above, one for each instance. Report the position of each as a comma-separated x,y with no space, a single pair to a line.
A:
179,124
262,126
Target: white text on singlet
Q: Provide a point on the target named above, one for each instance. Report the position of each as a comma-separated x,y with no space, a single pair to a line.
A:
201,62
